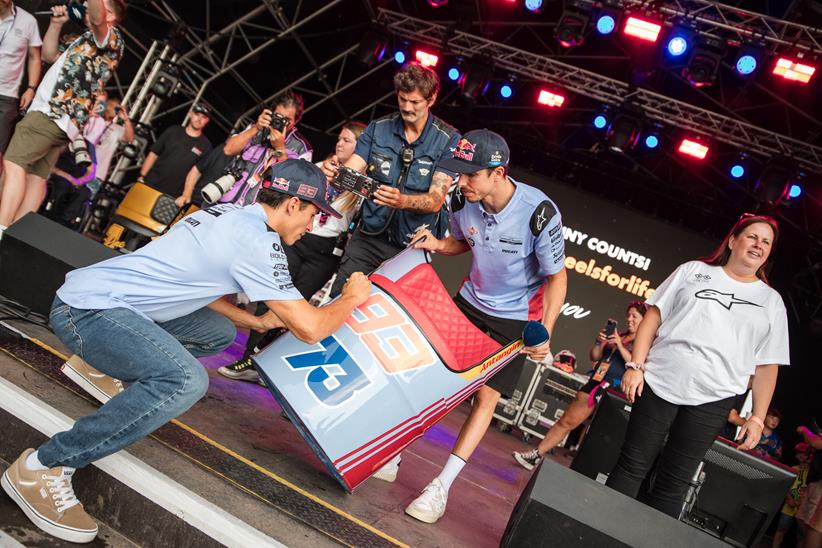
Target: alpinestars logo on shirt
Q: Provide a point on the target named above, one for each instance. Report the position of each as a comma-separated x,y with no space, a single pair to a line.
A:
725,299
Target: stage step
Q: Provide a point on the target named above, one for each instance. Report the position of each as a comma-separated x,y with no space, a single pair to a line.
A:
153,494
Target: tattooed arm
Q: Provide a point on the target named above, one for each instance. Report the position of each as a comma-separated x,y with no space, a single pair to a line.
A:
431,202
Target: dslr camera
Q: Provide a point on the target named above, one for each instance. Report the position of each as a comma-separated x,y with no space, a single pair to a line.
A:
278,121
79,147
215,190
354,181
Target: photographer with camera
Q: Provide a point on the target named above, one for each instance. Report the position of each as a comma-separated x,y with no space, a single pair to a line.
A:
174,153
68,185
61,107
315,257
19,48
106,130
272,138
610,351
402,153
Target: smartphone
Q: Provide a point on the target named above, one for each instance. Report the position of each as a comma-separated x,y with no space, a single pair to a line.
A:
610,327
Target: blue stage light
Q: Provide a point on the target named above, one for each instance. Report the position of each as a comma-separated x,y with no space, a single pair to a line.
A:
677,46
600,121
606,24
533,5
651,141
795,191
737,171
746,64
454,74
399,57
506,91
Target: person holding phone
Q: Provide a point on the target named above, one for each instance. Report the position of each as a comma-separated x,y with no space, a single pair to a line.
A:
609,353
711,327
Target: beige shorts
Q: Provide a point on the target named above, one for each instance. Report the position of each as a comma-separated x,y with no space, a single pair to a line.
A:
36,144
810,509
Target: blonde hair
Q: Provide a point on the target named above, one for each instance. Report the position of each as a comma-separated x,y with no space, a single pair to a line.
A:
348,200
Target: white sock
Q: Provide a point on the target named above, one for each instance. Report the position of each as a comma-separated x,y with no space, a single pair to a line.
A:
33,463
450,471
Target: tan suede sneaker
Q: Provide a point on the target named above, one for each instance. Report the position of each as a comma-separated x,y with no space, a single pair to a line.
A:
47,499
99,385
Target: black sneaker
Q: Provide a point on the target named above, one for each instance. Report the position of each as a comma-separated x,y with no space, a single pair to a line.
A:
528,459
240,371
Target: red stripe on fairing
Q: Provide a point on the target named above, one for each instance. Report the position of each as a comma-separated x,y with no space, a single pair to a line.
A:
361,468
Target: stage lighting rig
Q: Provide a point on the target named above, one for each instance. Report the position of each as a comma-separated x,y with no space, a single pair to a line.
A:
570,30
704,62
693,148
607,20
643,28
792,69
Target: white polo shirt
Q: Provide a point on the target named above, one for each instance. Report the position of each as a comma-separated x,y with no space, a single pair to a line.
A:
18,33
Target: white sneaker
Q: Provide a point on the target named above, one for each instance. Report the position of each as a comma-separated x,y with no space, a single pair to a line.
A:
389,470
430,506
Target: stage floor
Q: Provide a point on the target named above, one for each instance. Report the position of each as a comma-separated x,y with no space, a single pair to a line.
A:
247,438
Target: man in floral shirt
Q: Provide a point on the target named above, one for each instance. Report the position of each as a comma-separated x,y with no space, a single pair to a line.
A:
62,104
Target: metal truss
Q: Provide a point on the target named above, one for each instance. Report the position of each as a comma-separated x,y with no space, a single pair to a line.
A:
720,21
606,90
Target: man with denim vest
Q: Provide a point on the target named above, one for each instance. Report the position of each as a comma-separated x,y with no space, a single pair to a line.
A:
402,151
62,104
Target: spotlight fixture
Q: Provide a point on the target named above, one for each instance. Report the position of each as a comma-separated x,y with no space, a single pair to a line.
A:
550,99
790,69
399,57
704,62
774,184
600,121
651,141
677,46
453,74
606,22
624,132
534,6
506,91
643,29
165,83
426,58
372,46
795,191
570,30
737,171
476,77
693,148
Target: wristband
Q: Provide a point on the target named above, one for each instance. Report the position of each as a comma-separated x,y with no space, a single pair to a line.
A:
757,420
634,365
34,88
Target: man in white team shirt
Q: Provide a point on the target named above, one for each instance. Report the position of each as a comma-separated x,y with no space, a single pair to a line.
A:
145,317
19,47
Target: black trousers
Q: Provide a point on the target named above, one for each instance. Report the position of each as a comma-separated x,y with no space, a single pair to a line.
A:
691,430
363,254
311,262
502,330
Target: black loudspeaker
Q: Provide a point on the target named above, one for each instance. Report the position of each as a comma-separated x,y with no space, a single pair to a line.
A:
36,254
561,508
599,451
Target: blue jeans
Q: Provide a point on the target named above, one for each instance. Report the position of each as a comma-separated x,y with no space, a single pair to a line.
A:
157,360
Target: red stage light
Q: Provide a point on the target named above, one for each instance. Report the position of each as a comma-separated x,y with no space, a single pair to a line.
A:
693,148
426,59
642,29
550,99
791,70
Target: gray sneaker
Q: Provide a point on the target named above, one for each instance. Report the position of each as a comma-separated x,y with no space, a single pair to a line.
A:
528,459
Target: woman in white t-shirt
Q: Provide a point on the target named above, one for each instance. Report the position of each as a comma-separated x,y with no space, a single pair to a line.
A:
712,326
